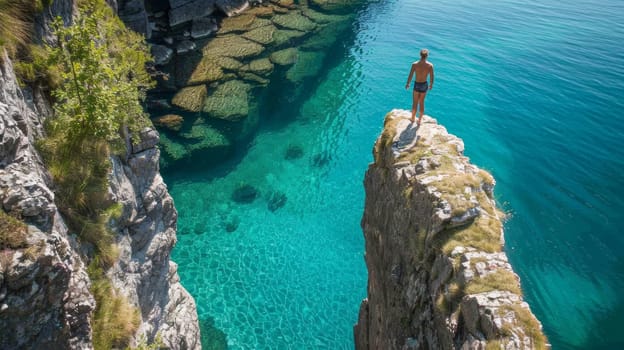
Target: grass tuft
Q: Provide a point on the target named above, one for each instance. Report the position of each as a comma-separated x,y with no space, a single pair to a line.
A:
13,232
499,280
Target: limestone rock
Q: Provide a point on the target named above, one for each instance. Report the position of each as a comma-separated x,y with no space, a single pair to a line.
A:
308,64
161,53
261,35
284,57
169,121
185,46
294,20
188,11
232,46
230,101
232,7
203,27
437,272
190,98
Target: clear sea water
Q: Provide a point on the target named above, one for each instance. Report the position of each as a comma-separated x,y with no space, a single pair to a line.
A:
534,88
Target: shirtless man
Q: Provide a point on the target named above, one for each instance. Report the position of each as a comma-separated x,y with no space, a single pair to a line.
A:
422,68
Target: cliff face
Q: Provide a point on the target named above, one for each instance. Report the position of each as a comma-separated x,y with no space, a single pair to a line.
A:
45,299
438,278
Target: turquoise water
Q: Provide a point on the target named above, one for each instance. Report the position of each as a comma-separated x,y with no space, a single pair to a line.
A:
533,88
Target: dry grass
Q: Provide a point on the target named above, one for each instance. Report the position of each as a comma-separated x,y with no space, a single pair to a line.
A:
499,280
494,345
529,324
482,234
115,320
13,232
15,23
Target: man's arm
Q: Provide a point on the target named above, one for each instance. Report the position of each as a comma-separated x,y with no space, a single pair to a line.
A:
431,72
409,78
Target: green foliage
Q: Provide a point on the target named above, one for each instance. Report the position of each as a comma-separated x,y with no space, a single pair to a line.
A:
12,232
143,344
103,77
115,320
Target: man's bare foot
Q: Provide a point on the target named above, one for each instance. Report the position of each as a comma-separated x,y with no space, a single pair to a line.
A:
419,120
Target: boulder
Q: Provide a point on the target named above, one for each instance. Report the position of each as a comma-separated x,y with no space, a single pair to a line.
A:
189,11
161,53
190,98
284,57
169,121
185,46
232,7
230,101
203,27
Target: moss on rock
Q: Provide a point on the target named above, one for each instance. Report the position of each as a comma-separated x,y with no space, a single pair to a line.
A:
286,36
208,70
172,149
170,121
230,101
284,57
232,46
262,35
294,20
190,98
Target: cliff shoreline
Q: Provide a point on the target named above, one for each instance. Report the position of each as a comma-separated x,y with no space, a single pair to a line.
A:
438,275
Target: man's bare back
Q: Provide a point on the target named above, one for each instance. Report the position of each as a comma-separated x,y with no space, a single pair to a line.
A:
421,69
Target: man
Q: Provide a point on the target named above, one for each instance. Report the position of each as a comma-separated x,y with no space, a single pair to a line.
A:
422,69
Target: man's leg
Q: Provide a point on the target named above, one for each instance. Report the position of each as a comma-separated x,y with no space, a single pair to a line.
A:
421,102
414,104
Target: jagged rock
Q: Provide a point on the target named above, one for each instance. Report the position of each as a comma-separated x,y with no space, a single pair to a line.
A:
190,98
133,14
185,46
230,101
430,281
203,27
188,11
162,54
232,7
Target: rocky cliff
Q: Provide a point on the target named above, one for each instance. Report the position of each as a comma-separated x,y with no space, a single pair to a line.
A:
438,278
45,300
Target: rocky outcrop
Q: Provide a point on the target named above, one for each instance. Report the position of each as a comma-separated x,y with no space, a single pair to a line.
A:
44,288
438,278
146,236
45,298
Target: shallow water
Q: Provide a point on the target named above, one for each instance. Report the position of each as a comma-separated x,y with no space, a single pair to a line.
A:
534,90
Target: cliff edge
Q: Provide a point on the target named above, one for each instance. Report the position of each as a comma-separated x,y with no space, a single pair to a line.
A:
437,275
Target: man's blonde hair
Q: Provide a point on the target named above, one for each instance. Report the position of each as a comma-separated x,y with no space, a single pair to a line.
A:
424,53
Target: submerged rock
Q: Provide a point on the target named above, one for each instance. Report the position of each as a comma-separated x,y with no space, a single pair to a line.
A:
162,54
284,57
190,98
230,101
231,224
276,200
232,46
169,121
294,20
308,65
244,194
293,152
262,35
